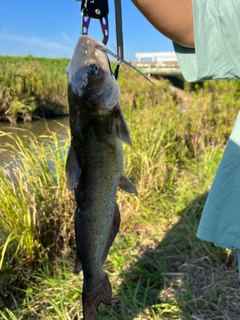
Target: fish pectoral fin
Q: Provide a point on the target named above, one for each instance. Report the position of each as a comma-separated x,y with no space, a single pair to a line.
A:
73,169
126,185
119,126
78,264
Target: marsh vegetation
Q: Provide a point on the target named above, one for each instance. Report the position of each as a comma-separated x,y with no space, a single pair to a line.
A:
32,88
157,267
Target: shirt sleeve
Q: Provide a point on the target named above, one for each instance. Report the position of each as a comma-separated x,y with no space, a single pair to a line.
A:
217,42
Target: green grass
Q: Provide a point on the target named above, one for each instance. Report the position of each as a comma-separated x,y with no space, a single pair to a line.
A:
157,267
32,87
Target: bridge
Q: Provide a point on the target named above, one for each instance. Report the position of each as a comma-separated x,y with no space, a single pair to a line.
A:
158,63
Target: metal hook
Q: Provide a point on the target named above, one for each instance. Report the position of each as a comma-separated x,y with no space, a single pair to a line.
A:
104,27
85,22
89,10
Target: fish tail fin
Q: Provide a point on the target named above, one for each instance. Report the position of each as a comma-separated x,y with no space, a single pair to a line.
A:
91,301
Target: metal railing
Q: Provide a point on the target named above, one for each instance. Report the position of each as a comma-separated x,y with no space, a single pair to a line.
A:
156,56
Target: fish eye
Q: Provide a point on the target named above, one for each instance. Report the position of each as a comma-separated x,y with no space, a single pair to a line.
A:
93,69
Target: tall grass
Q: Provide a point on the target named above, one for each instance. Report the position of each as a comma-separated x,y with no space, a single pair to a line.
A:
157,267
33,194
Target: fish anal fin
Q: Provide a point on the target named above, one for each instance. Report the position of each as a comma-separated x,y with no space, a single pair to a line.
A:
73,169
113,231
126,185
120,127
91,301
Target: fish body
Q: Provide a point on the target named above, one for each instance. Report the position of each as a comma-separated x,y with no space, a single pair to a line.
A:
94,165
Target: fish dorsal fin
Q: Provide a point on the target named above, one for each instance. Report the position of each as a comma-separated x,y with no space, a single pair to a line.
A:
119,125
126,185
73,169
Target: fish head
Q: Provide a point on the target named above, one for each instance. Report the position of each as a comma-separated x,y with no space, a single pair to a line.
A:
90,77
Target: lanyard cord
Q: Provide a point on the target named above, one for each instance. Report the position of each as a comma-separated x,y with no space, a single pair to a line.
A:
119,34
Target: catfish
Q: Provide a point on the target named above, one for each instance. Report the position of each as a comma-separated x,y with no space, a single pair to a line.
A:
94,166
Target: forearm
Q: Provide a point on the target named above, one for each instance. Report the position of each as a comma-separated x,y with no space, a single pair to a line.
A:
173,18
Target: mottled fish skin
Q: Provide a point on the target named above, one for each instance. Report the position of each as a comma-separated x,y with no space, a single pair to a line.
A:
94,166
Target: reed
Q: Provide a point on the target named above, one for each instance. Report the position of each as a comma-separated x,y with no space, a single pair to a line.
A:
33,195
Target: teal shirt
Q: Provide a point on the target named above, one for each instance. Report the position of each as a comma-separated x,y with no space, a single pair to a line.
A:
217,56
217,42
220,221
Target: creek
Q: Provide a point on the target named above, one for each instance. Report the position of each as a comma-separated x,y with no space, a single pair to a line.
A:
24,130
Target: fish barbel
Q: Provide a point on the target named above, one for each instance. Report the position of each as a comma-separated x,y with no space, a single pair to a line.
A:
94,165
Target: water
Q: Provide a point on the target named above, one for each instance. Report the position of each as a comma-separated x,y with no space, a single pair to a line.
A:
24,130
